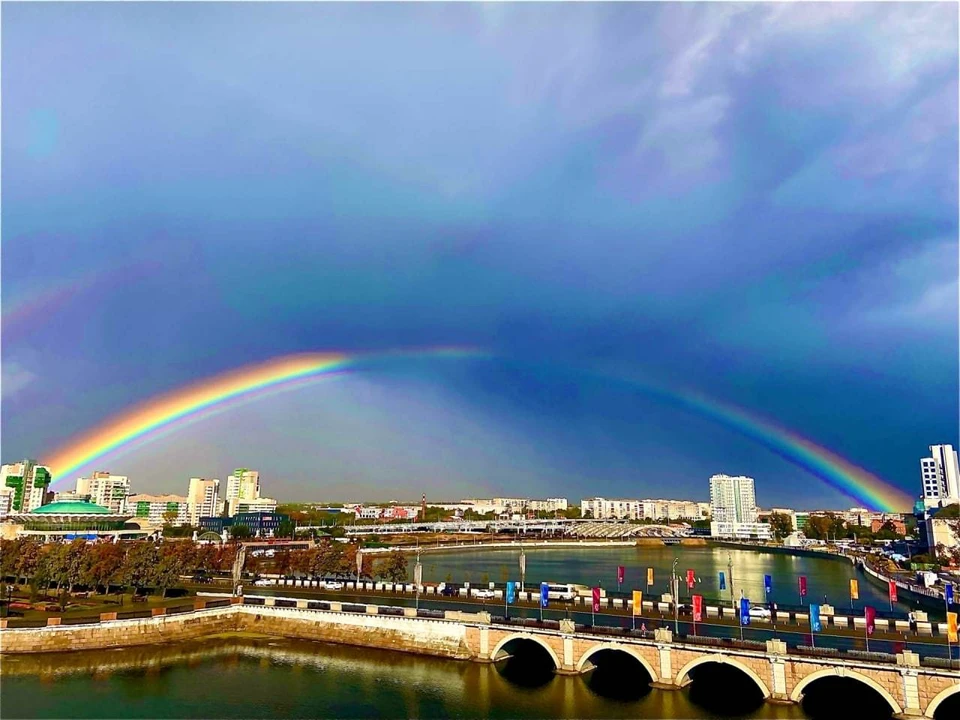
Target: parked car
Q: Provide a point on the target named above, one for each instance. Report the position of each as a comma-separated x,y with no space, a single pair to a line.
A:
759,612
332,585
448,590
263,582
484,594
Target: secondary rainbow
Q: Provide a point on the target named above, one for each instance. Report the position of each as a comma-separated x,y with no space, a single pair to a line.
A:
167,412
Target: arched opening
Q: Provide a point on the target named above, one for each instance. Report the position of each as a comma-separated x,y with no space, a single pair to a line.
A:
830,694
723,687
616,674
946,704
525,661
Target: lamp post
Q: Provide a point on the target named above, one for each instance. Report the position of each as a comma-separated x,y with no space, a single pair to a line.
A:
676,600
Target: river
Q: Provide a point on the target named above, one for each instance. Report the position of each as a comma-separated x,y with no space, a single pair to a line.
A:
826,577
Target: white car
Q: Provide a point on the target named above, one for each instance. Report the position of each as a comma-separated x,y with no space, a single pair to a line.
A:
485,594
332,585
760,612
263,582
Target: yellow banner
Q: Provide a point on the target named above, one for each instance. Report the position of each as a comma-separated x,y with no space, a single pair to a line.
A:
952,626
649,576
854,589
637,602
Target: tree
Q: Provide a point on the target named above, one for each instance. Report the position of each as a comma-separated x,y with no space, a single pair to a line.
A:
171,563
137,570
394,567
285,529
170,517
103,565
240,532
780,525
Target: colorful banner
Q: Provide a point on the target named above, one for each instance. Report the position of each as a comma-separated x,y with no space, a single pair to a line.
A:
803,585
854,589
511,591
544,595
744,611
723,581
596,599
871,616
621,571
690,579
952,627
697,608
649,576
637,602
948,592
892,589
767,584
815,625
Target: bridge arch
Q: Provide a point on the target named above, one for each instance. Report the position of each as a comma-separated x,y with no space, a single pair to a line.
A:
684,673
513,637
631,651
844,672
939,698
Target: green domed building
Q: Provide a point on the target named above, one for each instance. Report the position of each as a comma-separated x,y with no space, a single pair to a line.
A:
72,519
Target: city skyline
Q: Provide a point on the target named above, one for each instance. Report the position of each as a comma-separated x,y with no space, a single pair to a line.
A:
721,200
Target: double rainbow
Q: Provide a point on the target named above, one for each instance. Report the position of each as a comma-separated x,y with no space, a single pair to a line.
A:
165,413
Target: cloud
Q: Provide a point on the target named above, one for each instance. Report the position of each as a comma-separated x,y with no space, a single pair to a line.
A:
14,378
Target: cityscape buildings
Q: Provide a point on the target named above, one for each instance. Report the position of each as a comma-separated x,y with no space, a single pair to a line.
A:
105,489
625,509
160,509
29,482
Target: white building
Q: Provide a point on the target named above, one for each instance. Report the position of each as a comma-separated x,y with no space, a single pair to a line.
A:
670,510
733,508
548,505
616,509
105,489
203,498
244,484
257,505
155,508
940,477
6,501
29,482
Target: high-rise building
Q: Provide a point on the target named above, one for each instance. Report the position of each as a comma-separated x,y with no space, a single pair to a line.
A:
733,508
940,477
244,484
29,482
105,489
203,498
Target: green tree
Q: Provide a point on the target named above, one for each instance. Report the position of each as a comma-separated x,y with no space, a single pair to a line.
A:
780,525
394,567
285,529
137,570
240,532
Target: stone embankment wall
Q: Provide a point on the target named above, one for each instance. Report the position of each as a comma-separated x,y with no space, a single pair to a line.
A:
407,634
119,633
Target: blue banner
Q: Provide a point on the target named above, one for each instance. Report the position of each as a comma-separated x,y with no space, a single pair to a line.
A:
511,591
723,581
948,592
815,619
744,611
767,584
544,594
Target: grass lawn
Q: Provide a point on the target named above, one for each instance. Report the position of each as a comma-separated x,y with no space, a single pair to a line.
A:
96,604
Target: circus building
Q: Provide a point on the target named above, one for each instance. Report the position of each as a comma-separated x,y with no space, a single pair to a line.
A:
70,520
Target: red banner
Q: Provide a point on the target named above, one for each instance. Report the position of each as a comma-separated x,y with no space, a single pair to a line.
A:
690,579
596,599
871,615
621,571
893,591
697,608
803,585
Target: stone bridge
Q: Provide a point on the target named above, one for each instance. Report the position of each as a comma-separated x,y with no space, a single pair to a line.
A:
908,687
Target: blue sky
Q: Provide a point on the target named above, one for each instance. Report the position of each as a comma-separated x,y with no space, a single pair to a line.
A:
758,202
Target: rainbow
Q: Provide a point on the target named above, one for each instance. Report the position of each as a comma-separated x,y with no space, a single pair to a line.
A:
167,412
170,411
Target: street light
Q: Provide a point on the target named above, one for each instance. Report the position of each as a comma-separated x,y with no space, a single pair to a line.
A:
676,600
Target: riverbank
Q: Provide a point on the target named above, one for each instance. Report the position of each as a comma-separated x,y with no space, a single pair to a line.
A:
783,550
532,544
